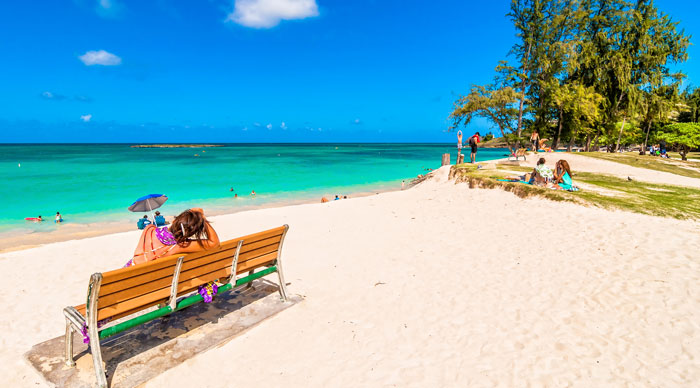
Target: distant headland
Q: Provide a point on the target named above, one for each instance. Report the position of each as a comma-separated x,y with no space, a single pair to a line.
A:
175,145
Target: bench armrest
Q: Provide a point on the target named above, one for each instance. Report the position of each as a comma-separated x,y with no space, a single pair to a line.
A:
74,317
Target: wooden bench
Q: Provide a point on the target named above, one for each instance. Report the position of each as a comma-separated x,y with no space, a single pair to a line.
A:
166,285
519,154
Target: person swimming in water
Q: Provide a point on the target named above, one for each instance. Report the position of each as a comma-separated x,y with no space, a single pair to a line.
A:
58,218
189,232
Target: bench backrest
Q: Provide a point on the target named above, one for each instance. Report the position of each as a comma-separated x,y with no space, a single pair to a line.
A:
128,290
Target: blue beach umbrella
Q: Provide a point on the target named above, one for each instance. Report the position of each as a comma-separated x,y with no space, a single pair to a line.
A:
148,202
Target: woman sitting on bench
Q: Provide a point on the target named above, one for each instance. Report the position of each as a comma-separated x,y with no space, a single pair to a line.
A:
190,226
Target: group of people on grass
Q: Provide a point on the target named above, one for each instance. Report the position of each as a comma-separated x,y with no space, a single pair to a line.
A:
659,150
558,178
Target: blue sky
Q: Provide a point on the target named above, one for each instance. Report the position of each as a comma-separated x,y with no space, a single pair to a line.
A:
251,70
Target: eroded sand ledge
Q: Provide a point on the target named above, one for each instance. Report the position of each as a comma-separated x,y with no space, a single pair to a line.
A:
438,285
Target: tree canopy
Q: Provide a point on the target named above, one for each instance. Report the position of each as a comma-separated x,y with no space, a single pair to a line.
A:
595,72
684,135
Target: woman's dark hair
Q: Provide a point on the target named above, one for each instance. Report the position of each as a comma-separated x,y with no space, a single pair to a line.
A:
565,166
541,161
194,226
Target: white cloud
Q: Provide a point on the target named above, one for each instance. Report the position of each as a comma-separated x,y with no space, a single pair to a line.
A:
356,122
52,96
268,126
269,13
109,8
86,118
100,57
283,126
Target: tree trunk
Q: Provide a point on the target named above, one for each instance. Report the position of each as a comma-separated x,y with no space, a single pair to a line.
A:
588,142
522,97
684,153
646,139
571,141
597,134
619,136
555,143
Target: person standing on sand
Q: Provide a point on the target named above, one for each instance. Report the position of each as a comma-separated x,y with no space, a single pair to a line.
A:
535,139
474,144
459,144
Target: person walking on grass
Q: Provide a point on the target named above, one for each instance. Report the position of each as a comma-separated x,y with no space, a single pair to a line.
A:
535,139
474,144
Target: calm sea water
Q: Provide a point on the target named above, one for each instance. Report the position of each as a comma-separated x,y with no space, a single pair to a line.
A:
97,182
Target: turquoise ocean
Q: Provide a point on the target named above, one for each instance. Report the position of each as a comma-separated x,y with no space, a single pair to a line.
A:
93,183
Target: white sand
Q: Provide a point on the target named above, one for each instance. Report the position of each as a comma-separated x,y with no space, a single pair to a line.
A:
438,285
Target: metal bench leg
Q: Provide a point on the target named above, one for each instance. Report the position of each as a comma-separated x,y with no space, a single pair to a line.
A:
97,358
93,333
283,285
250,284
69,344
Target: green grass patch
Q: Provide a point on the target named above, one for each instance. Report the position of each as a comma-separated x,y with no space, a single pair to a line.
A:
602,191
642,197
689,168
691,155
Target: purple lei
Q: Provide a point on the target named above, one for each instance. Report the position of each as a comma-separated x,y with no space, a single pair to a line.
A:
84,332
208,291
165,236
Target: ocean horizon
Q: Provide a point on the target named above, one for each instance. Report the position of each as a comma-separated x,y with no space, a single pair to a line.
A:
95,182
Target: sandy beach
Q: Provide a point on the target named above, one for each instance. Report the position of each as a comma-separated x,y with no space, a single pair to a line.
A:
438,285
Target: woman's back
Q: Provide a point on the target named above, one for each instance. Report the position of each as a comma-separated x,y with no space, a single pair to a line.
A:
189,232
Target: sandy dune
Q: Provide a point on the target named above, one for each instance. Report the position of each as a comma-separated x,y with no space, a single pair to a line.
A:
438,285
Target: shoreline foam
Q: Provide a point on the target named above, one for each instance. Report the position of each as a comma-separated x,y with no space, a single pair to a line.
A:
11,241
